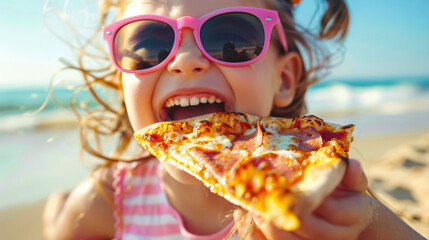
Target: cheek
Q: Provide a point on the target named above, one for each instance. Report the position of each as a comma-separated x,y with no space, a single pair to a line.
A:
253,90
138,98
179,175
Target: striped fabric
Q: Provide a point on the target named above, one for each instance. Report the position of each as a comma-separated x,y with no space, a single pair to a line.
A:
144,209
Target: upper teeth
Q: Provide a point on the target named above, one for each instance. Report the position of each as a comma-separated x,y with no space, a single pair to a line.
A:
193,101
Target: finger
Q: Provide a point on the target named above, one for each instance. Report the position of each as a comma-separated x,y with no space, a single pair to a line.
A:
343,208
247,229
354,178
313,227
272,232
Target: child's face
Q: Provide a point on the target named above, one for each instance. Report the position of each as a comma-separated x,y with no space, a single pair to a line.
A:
249,89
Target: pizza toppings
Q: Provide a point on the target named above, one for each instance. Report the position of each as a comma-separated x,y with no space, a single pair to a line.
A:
269,165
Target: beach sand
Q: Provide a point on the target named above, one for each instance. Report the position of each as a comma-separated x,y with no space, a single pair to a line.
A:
399,177
22,222
397,166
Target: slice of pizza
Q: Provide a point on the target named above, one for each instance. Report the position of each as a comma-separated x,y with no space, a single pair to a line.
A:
280,168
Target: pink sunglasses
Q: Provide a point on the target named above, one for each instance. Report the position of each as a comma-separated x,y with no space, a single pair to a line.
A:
234,36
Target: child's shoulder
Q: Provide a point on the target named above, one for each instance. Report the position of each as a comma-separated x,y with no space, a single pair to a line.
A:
89,202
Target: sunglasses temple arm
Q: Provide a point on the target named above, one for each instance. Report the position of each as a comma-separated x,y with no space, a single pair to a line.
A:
282,36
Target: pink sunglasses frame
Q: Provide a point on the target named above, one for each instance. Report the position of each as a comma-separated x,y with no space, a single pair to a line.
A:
268,18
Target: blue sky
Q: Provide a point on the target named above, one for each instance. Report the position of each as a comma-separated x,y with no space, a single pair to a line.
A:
386,38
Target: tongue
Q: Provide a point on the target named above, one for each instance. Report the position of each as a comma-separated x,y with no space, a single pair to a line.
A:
177,113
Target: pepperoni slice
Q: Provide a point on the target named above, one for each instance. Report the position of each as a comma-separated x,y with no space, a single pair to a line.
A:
219,163
309,139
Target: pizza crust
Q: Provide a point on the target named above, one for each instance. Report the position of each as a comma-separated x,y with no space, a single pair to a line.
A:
318,183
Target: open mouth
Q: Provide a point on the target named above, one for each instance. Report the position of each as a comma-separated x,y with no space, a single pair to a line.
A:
182,107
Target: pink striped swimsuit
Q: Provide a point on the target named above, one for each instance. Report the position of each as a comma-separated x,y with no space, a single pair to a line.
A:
145,211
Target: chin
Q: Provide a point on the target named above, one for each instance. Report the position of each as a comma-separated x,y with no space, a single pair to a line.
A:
179,175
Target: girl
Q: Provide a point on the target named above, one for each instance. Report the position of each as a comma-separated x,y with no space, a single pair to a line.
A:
168,68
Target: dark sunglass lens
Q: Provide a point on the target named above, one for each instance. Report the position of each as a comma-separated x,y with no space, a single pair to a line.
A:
233,37
143,44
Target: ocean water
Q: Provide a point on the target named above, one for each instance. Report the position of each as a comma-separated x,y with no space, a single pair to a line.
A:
367,94
338,100
383,106
30,108
22,100
40,152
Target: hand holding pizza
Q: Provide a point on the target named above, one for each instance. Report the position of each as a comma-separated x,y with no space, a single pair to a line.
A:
293,176
344,214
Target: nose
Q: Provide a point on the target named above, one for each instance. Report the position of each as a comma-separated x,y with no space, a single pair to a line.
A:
188,60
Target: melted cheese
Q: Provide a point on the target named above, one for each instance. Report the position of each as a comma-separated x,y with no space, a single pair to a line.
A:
273,143
218,143
278,144
288,153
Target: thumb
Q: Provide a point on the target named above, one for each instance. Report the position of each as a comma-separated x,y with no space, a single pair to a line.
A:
246,228
354,178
